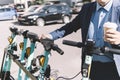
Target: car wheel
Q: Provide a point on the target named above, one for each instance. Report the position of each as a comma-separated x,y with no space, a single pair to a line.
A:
40,22
66,19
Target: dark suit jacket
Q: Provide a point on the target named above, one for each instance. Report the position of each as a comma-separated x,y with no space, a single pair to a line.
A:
82,21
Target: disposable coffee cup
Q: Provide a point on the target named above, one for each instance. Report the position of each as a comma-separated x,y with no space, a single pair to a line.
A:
107,26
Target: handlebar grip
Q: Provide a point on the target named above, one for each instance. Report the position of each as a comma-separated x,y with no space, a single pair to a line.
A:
107,49
33,36
14,30
73,43
24,32
56,48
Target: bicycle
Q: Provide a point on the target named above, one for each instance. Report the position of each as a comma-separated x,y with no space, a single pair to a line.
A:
23,46
44,72
6,61
44,67
30,50
26,66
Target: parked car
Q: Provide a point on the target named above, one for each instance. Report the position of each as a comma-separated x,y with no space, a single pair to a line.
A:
8,13
46,14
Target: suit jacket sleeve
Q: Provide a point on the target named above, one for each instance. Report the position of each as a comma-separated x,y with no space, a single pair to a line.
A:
73,26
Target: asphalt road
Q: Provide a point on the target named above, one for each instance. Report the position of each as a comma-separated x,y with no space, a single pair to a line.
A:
66,65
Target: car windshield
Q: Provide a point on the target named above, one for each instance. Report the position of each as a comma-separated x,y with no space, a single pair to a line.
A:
32,9
39,9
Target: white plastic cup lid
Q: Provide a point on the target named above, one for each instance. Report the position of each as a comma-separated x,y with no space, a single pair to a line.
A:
110,25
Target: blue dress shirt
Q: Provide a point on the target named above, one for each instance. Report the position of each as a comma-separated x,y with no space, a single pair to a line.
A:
95,31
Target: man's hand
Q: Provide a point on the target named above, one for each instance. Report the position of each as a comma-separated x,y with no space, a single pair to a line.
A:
112,36
44,36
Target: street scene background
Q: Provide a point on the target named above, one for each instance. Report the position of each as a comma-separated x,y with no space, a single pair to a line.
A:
66,65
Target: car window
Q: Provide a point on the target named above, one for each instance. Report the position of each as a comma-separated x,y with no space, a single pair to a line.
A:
66,7
63,7
2,10
52,9
32,9
7,9
44,8
59,7
39,9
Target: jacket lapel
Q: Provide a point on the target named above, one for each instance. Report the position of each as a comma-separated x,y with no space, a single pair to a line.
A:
90,13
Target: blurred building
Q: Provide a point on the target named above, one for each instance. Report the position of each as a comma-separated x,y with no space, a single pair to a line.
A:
69,2
21,1
4,2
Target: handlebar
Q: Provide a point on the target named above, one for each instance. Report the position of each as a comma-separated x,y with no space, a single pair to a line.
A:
24,33
49,44
88,44
112,50
56,48
32,36
73,43
15,31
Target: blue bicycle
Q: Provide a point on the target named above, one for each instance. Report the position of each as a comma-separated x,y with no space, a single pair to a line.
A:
6,62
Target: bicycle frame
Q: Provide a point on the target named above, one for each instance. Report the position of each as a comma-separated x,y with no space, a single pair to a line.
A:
44,72
33,38
6,63
44,67
22,67
19,63
22,57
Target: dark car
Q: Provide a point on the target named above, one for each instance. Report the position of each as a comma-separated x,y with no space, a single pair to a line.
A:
47,13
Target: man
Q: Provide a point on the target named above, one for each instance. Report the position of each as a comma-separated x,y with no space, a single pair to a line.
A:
90,20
